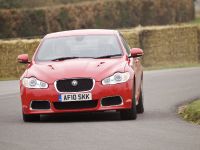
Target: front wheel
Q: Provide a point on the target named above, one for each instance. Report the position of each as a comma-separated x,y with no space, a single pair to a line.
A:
140,106
31,118
129,114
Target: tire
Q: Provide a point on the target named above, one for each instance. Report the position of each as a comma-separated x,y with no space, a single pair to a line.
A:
129,114
140,106
31,118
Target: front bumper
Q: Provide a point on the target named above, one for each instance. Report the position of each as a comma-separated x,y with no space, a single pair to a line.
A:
123,90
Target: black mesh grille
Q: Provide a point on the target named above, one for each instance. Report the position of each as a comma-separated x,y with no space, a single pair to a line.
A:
82,85
109,101
75,105
40,105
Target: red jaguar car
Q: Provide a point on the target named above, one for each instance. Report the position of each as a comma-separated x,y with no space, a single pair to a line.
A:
82,71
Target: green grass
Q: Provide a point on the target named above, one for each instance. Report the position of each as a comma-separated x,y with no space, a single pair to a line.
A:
196,21
191,112
7,79
11,4
186,65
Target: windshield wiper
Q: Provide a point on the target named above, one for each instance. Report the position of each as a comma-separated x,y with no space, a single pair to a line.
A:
108,56
63,58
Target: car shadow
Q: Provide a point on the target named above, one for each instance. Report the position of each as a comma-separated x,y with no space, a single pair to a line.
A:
81,117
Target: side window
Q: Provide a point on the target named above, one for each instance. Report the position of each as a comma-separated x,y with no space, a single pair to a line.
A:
127,47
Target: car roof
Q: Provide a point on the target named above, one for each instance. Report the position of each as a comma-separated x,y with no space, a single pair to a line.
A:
81,32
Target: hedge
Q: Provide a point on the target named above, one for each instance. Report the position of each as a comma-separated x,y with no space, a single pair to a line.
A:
9,50
93,14
168,45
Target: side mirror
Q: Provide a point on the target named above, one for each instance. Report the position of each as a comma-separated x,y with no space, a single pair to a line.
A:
136,52
23,58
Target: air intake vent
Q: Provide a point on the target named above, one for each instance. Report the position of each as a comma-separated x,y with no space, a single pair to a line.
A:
40,105
111,101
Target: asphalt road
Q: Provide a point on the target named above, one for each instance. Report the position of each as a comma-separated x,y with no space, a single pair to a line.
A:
159,128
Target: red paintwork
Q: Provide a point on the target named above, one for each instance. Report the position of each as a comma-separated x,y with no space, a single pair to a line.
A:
23,58
98,69
136,52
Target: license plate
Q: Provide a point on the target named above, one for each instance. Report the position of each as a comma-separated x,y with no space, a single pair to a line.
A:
75,97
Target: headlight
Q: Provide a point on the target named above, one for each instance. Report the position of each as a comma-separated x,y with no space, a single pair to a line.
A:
116,78
34,83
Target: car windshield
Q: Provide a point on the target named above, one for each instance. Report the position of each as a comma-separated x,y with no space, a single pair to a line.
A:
84,46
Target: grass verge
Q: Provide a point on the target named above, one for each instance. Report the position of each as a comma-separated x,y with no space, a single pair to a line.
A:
7,79
191,112
196,20
186,65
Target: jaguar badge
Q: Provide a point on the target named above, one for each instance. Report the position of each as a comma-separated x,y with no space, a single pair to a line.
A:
74,83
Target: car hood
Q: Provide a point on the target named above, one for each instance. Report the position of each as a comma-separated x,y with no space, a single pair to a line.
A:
97,69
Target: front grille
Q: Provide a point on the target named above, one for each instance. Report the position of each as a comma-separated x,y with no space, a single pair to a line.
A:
66,85
75,105
111,101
